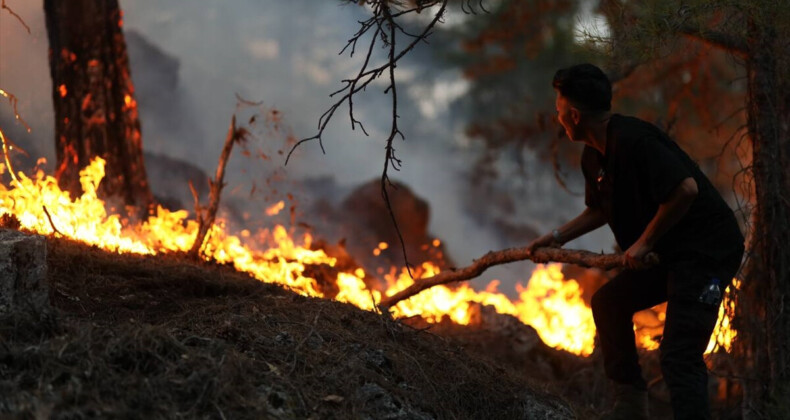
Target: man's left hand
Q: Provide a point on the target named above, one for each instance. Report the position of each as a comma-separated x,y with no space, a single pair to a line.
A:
635,255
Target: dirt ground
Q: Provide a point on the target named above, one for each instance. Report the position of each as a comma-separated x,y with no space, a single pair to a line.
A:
162,337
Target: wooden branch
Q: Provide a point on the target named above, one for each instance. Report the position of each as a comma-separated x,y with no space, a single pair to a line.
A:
19,18
196,199
492,258
51,223
205,223
367,74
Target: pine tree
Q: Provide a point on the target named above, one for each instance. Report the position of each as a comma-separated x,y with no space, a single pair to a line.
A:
93,95
757,34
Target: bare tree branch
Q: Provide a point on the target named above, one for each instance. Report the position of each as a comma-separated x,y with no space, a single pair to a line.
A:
389,159
582,258
14,103
12,13
206,222
383,26
196,198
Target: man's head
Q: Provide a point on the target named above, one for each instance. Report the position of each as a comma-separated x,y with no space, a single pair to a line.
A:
583,93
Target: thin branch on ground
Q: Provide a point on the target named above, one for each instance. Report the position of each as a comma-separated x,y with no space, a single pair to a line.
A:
51,223
492,258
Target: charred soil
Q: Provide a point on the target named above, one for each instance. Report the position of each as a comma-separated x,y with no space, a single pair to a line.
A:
162,337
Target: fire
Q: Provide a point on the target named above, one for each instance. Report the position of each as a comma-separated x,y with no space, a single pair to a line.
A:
381,247
724,335
275,209
548,302
129,102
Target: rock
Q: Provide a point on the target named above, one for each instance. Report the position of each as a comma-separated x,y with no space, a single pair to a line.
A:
369,222
522,338
544,407
23,270
378,403
279,404
377,359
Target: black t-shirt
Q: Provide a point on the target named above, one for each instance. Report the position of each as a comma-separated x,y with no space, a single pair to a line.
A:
641,167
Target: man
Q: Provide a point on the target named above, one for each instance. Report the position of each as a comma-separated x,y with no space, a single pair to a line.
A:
655,199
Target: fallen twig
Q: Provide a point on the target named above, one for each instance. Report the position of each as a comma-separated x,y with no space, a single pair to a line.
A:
51,223
578,257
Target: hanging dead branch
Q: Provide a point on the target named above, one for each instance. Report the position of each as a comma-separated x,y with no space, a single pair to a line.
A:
12,13
206,221
15,103
383,27
492,258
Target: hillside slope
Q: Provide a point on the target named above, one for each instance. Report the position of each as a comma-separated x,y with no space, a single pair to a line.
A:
162,337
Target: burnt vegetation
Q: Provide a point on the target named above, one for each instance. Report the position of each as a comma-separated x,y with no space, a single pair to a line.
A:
132,336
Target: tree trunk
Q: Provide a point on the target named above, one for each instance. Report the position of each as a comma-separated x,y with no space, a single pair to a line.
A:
764,326
93,94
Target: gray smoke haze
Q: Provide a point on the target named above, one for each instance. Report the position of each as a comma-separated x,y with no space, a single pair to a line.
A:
284,53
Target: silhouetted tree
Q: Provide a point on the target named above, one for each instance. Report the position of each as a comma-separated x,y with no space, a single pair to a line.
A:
756,33
93,95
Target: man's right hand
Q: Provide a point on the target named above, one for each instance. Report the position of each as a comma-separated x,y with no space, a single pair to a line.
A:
546,240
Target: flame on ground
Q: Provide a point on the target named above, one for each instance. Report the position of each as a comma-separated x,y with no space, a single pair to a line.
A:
549,303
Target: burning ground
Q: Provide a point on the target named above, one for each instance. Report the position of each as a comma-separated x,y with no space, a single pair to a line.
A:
144,336
271,324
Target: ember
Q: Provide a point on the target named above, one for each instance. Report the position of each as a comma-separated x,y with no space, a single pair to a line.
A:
275,209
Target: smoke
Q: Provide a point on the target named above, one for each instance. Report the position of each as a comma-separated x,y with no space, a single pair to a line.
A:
189,59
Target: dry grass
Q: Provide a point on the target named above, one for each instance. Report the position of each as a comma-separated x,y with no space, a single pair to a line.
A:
161,337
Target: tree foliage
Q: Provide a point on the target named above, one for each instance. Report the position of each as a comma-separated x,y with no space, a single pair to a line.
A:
756,36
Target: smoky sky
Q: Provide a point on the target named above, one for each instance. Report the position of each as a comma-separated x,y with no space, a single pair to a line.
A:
285,54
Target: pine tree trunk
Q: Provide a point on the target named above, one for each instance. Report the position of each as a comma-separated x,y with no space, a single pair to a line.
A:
95,107
764,321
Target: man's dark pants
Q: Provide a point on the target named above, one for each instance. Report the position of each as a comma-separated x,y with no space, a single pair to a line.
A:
687,330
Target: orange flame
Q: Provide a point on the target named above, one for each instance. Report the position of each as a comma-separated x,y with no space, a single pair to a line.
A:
275,209
551,304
